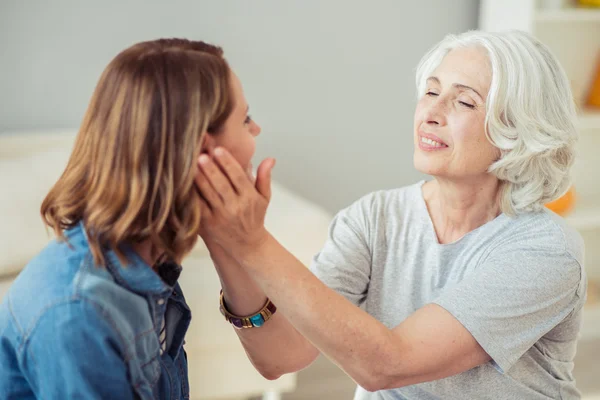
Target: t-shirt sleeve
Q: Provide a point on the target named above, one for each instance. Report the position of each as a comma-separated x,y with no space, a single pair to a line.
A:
516,296
344,262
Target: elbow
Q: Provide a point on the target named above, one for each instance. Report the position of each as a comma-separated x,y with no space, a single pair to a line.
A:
268,371
372,384
275,371
270,375
380,380
370,379
375,384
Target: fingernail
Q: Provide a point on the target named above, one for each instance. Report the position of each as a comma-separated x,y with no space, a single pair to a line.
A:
203,159
219,152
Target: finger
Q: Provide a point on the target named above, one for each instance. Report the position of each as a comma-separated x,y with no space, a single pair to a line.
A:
263,177
207,192
205,209
204,203
217,179
232,168
205,216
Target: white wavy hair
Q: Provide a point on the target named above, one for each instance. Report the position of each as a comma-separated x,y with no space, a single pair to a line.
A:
530,115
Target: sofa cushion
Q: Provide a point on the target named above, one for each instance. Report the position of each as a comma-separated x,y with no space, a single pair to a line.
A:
25,181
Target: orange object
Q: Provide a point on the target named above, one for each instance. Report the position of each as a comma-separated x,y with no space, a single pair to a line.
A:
589,3
594,94
563,204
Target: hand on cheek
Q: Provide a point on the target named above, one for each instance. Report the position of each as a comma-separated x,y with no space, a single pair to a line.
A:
237,205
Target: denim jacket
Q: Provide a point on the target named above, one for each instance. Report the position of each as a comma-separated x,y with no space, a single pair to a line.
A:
71,330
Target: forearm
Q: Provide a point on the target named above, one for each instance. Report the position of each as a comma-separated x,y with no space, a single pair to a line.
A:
354,340
276,347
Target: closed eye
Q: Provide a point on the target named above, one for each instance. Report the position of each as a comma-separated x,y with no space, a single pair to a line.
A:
248,119
467,104
432,94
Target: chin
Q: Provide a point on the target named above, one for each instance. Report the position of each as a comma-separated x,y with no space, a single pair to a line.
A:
427,167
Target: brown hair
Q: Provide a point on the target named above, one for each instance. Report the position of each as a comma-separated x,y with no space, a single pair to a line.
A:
130,176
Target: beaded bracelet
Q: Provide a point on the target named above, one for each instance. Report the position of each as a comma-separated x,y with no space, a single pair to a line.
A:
252,321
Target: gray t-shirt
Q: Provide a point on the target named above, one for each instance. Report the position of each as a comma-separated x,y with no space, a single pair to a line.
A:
517,284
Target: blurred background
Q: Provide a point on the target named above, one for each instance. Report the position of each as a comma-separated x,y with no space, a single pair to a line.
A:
330,82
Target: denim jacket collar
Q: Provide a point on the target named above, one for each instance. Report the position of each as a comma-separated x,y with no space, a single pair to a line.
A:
137,276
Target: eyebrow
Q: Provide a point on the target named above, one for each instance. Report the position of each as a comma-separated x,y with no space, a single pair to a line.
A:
456,85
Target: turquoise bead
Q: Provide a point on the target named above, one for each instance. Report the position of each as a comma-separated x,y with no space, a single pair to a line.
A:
257,320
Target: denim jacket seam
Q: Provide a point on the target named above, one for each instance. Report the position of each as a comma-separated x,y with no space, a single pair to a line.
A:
13,316
27,334
127,346
139,336
31,357
128,354
170,379
124,344
183,375
72,299
33,324
152,359
24,349
144,333
141,382
77,289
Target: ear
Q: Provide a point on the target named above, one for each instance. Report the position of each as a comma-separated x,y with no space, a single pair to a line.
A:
207,144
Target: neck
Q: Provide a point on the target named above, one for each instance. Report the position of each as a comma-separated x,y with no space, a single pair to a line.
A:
458,207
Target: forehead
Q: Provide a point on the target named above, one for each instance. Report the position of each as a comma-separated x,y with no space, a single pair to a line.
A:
237,91
468,66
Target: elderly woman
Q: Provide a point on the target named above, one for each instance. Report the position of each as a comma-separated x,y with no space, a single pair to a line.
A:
470,288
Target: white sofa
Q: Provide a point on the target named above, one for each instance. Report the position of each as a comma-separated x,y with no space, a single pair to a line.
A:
30,162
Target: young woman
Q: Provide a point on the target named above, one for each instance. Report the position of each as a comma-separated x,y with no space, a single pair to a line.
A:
98,314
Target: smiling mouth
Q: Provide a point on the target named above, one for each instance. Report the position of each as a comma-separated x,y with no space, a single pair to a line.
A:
431,143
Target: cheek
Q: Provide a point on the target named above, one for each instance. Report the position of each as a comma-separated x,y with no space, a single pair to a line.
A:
249,149
243,150
418,114
469,133
472,144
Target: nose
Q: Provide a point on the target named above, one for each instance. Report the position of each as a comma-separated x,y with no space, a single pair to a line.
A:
435,112
255,128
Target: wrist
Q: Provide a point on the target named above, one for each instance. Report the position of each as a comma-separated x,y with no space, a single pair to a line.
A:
253,320
218,254
244,298
253,247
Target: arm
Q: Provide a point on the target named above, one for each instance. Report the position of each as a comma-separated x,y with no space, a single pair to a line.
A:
275,348
516,296
431,344
73,352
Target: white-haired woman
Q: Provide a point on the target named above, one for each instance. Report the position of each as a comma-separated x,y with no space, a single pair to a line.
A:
471,288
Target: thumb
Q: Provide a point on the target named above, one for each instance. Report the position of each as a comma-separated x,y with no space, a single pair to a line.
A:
263,177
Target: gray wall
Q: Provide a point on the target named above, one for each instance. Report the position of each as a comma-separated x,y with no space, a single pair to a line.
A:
331,81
